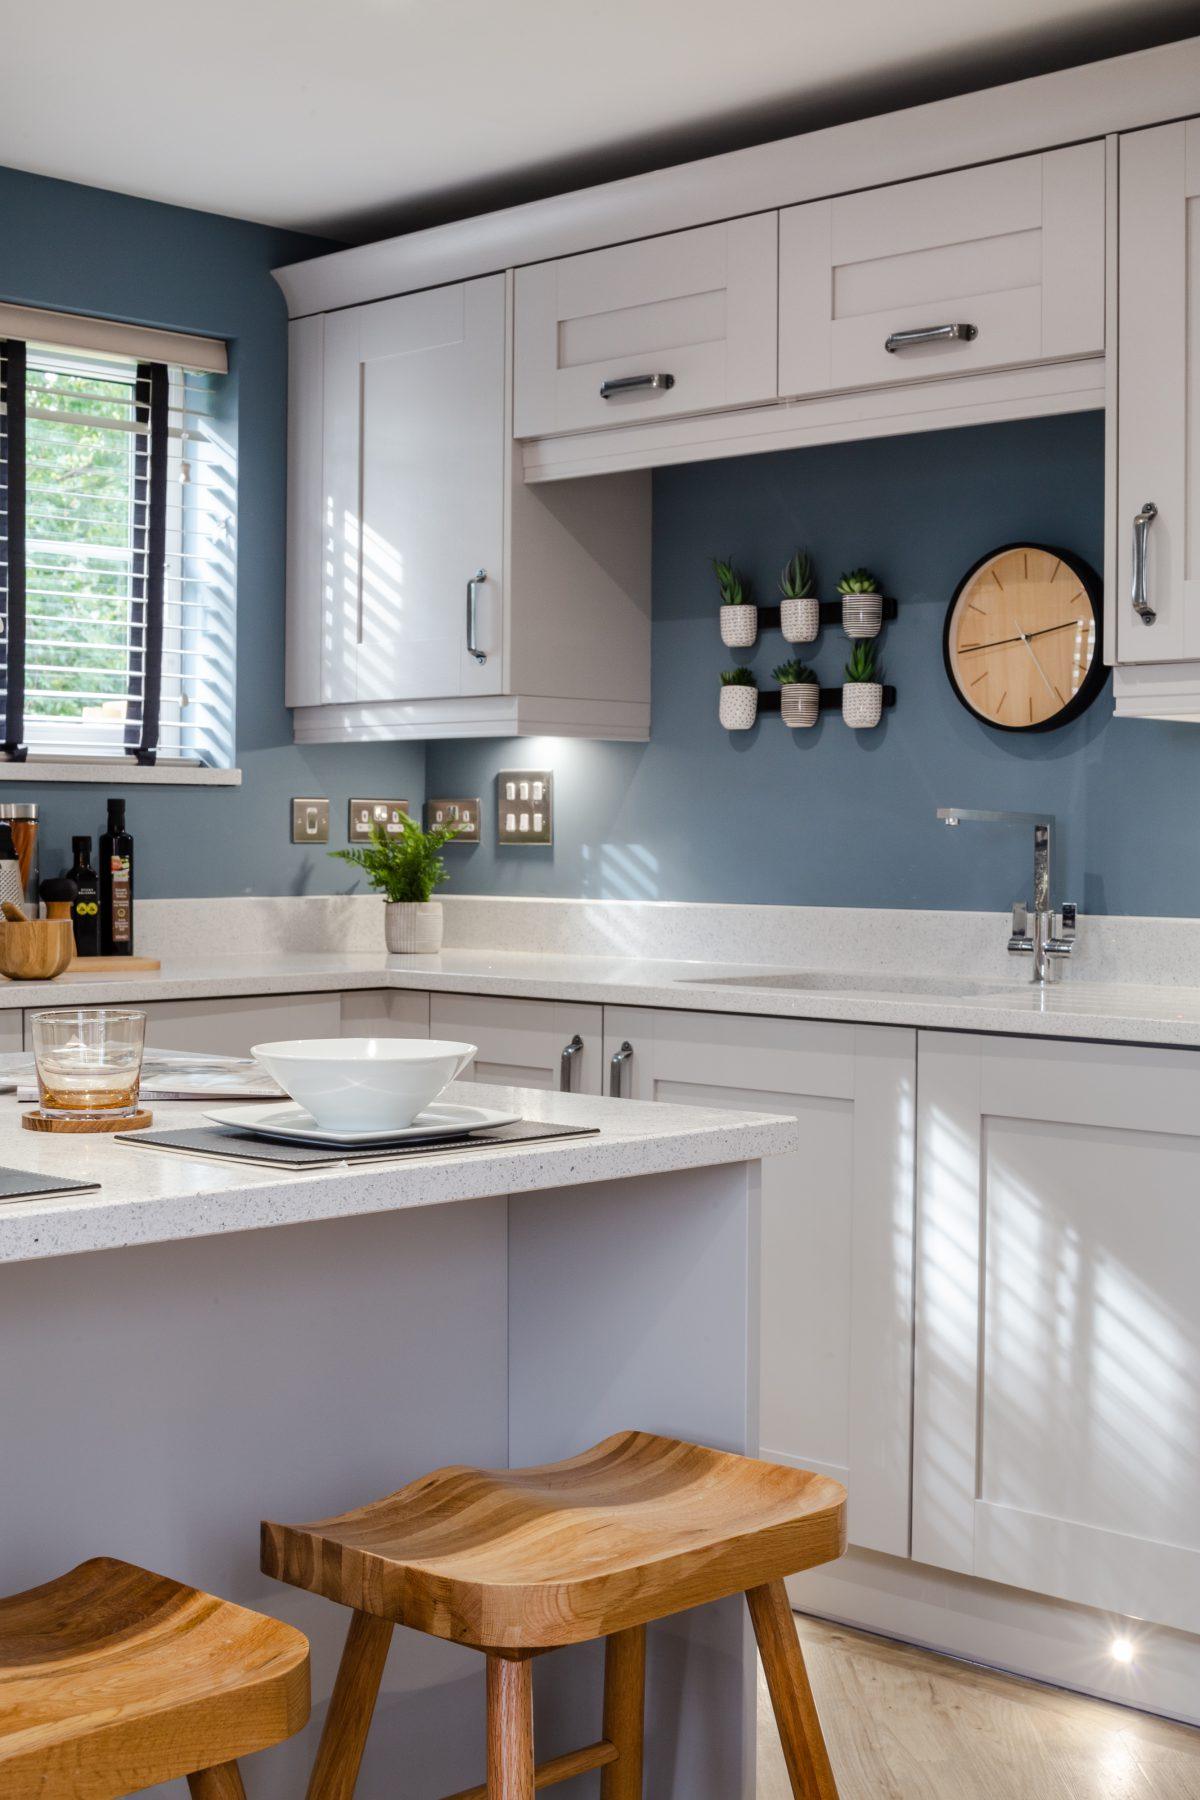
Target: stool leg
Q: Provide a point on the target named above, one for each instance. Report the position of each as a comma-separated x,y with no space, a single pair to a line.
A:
223,1783
509,1729
791,1696
350,1708
624,1712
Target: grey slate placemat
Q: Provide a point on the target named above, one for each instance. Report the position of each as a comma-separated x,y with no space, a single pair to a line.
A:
19,1184
227,1142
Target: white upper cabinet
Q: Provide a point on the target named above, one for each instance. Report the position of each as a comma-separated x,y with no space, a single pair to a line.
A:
670,325
430,593
987,268
1158,409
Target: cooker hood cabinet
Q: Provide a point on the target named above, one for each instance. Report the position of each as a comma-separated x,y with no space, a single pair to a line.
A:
429,592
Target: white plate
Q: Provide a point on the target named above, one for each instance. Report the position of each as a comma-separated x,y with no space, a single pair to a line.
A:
293,1125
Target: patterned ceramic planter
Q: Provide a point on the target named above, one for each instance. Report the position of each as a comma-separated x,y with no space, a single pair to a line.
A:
862,704
739,706
412,927
739,625
800,703
800,620
862,615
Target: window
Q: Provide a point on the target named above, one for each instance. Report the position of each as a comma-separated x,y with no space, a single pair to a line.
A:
117,498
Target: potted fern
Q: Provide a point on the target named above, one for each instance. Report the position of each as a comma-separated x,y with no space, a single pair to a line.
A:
739,615
799,610
405,866
739,699
862,604
862,696
799,693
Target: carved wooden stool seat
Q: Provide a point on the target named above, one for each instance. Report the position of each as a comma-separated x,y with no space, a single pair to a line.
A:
518,1561
113,1679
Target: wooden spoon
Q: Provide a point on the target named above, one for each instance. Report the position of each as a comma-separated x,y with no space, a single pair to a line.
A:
13,913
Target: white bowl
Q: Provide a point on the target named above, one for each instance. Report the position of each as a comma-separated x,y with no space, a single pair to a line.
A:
364,1084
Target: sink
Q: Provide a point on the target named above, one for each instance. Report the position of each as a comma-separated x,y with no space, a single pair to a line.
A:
834,981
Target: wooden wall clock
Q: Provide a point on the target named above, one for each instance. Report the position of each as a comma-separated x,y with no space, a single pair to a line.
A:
1022,639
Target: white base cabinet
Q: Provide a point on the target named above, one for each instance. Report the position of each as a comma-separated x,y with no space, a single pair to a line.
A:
1057,1411
836,1344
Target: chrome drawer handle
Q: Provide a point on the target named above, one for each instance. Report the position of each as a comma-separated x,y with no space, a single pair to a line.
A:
566,1062
472,612
931,334
1141,545
627,384
619,1059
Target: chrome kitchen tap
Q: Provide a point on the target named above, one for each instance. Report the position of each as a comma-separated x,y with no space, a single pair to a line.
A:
1037,930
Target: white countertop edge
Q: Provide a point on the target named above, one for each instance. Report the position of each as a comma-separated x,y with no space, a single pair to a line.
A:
32,1230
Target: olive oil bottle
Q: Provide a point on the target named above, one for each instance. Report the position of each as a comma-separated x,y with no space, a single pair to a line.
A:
116,885
85,908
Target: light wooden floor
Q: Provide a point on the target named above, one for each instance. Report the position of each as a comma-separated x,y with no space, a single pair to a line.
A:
904,1725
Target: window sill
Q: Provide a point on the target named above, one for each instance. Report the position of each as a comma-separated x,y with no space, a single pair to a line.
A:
119,773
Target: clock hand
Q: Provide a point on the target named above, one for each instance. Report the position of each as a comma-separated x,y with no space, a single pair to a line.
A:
1037,665
1021,637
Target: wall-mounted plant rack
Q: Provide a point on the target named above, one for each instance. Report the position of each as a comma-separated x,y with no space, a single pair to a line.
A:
770,700
831,614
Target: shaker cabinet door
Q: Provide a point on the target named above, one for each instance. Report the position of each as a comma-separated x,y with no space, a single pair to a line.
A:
523,1043
1058,1321
414,461
836,1333
1158,395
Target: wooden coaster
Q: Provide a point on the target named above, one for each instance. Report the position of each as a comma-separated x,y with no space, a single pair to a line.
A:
40,1121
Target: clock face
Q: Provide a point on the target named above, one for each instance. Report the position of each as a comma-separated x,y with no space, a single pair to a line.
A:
1022,642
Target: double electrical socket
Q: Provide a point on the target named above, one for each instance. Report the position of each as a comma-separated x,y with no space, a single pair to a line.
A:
366,814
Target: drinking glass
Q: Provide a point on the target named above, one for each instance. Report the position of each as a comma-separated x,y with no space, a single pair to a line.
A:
89,1061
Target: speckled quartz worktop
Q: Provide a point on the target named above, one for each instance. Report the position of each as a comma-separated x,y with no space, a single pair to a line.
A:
152,1196
1130,981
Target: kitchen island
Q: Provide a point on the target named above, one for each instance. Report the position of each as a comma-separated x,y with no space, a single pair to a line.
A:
202,1344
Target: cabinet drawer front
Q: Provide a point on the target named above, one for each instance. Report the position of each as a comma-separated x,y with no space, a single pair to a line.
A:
1014,250
698,306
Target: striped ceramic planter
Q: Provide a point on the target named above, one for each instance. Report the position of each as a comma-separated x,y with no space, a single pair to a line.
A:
800,703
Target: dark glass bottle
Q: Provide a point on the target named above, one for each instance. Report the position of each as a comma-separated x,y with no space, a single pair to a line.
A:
116,885
85,909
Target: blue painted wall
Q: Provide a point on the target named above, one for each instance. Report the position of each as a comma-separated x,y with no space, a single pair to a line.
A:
830,816
86,250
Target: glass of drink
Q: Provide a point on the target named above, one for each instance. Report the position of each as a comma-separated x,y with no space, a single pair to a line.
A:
89,1061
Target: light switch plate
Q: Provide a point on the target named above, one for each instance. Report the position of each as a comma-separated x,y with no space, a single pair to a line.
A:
310,821
525,806
366,813
464,813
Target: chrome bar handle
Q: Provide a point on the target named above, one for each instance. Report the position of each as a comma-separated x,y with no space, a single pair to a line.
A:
567,1062
628,384
619,1059
472,613
1141,534
930,334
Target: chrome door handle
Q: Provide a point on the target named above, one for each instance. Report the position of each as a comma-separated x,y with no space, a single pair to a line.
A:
472,611
627,384
931,334
1141,536
566,1063
619,1059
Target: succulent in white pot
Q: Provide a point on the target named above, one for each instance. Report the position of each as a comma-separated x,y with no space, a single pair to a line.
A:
799,693
862,604
862,695
739,699
405,865
739,615
799,609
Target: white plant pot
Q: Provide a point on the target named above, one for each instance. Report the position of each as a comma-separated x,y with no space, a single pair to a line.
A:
738,708
412,927
862,615
739,625
862,704
800,703
800,620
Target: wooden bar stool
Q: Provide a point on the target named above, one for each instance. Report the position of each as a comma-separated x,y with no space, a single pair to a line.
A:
113,1679
518,1561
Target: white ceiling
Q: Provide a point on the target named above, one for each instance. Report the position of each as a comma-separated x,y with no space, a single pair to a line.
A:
352,116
